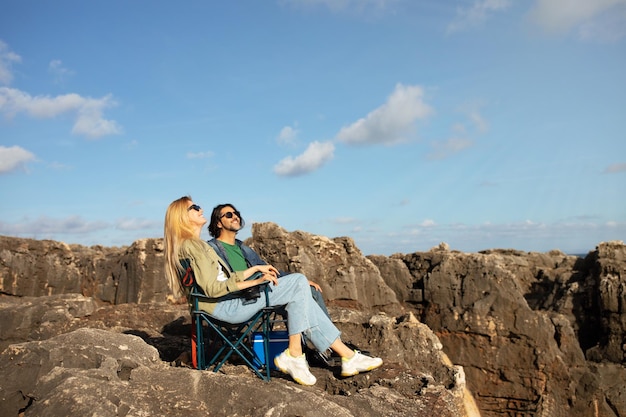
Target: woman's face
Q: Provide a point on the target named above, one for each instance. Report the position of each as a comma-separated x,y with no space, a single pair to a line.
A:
196,214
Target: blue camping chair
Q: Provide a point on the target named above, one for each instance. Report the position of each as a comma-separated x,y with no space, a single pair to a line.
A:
220,340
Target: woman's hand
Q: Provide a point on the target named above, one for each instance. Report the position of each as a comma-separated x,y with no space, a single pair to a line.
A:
269,274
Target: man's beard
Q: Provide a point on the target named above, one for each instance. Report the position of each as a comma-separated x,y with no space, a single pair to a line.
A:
232,228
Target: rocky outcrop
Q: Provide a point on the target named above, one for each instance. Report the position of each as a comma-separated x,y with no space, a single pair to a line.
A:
345,275
39,318
537,333
605,322
129,369
529,328
114,275
532,334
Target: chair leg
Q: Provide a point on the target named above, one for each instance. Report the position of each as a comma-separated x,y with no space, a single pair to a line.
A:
266,343
200,346
232,340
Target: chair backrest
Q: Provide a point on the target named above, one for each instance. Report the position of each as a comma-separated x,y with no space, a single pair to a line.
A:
193,292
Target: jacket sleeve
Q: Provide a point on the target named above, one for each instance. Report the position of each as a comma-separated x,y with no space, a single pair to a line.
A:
213,277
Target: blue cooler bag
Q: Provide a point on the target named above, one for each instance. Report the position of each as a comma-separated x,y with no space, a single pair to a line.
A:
279,341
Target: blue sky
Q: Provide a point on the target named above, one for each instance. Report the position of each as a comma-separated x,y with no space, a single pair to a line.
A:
399,123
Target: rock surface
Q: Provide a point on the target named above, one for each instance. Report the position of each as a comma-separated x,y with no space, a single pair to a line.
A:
125,371
114,275
528,334
530,329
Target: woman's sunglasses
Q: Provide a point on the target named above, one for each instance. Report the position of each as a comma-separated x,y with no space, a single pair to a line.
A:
194,207
230,214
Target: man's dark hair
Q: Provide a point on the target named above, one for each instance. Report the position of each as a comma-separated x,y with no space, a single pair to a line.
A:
215,219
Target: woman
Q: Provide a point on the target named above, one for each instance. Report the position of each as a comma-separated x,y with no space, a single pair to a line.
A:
183,225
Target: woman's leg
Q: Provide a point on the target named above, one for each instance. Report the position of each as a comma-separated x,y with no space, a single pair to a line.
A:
305,315
295,345
341,349
234,311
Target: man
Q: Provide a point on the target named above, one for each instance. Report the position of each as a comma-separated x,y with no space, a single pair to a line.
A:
225,223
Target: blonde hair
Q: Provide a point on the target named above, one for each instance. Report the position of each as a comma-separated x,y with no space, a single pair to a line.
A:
176,230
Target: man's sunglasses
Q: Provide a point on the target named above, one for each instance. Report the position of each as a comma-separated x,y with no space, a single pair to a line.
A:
230,214
194,207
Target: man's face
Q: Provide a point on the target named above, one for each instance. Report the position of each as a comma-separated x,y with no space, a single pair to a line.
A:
230,219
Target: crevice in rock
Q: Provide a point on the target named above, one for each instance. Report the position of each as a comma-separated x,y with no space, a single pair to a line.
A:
30,403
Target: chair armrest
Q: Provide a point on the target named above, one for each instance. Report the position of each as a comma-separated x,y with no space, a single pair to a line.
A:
254,276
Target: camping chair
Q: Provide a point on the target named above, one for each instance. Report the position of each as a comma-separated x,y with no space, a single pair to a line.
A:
225,339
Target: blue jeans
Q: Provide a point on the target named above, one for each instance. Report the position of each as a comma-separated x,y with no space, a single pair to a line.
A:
304,315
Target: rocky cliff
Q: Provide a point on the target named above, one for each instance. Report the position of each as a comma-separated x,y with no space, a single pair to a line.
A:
528,334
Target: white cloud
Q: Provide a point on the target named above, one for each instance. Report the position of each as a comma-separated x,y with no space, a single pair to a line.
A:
444,149
610,28
573,237
57,69
459,129
597,19
615,168
59,166
460,140
404,202
344,220
478,120
317,154
14,158
44,226
7,58
391,123
133,144
199,155
137,224
90,122
476,14
287,135
343,5
89,111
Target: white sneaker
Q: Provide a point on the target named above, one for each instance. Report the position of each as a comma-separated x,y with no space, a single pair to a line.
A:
359,363
298,368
